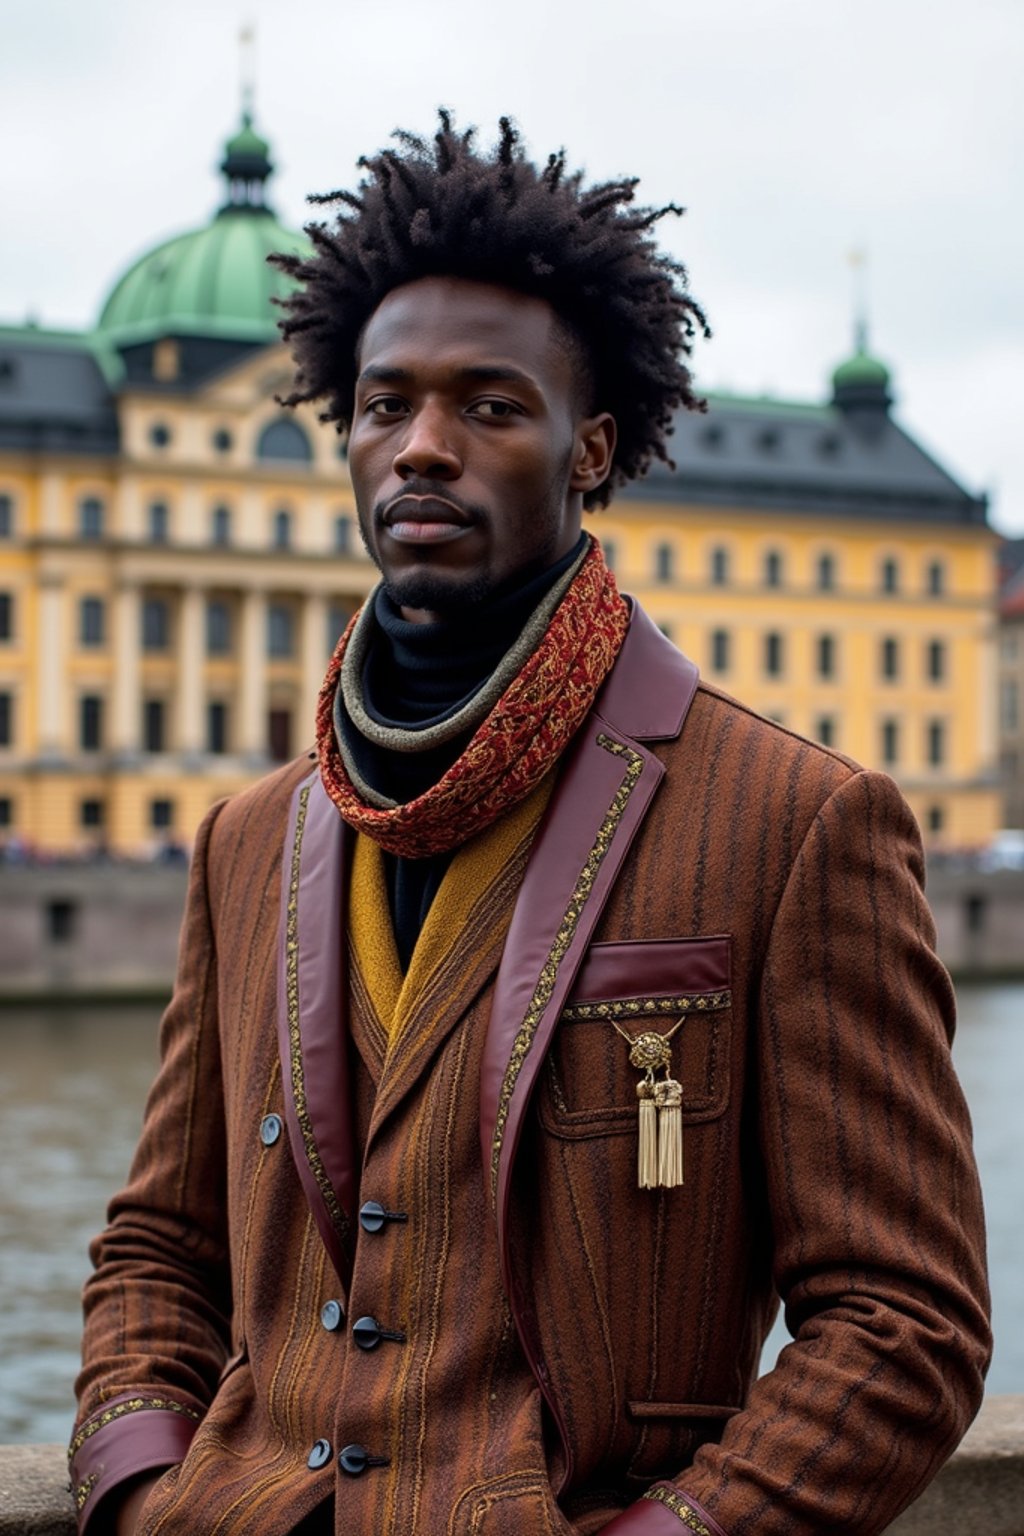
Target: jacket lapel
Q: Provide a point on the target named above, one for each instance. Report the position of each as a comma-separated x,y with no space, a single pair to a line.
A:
311,1014
602,798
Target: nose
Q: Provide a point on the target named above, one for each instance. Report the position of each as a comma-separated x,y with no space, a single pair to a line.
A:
428,447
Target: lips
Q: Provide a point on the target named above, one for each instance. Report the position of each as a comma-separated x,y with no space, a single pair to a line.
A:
425,519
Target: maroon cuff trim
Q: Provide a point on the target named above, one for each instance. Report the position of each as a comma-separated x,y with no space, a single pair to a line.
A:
131,1435
685,1509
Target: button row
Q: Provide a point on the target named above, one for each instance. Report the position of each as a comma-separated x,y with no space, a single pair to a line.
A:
368,1333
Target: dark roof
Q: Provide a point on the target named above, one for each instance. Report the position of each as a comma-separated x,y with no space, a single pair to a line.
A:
814,458
54,394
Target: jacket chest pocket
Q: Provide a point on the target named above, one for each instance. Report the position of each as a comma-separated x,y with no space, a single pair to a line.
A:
679,989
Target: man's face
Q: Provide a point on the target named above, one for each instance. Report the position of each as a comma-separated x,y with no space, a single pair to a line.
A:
468,452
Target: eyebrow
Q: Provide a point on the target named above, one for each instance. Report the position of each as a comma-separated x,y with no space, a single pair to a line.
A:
480,373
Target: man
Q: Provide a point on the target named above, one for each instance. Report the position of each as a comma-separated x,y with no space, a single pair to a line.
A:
562,1013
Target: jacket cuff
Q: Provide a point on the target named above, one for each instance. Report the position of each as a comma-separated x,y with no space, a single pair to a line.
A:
130,1434
664,1510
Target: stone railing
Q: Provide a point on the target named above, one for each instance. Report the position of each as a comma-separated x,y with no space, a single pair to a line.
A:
980,1492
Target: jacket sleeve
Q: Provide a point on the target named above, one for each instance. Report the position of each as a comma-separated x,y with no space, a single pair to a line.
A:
158,1304
874,1202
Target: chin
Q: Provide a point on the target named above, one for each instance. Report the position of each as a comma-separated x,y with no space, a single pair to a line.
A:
437,591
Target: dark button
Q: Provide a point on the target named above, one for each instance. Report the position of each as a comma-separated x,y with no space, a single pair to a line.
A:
368,1333
372,1216
356,1458
270,1129
319,1456
332,1315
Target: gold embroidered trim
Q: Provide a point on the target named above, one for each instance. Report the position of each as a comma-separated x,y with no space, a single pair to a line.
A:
118,1411
84,1489
679,1507
647,1007
563,938
313,1157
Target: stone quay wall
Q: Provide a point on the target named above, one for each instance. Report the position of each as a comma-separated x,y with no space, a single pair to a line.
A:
979,1493
111,930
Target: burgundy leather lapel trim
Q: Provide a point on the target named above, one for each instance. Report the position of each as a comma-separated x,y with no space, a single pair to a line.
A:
589,825
311,1014
650,688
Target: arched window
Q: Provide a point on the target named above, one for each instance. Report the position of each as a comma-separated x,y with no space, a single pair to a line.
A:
284,439
220,525
826,572
158,522
719,566
90,518
282,530
663,561
773,568
936,578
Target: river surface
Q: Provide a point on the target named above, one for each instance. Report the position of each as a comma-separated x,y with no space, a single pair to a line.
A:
72,1087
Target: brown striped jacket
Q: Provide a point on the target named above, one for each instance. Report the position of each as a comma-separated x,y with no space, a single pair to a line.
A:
764,890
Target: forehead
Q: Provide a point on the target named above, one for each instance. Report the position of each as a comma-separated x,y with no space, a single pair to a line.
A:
453,321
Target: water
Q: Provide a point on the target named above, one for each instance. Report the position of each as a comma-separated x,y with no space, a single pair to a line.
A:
71,1095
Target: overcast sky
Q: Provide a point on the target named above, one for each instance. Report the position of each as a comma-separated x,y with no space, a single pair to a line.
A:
795,131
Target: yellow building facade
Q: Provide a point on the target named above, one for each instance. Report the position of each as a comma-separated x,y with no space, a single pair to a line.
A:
178,556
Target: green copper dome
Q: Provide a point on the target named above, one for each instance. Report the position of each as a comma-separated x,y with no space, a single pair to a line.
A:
859,371
213,281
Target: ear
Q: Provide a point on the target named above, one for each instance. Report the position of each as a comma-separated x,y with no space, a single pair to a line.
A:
593,450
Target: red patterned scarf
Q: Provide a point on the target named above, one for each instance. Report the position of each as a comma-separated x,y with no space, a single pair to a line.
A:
516,744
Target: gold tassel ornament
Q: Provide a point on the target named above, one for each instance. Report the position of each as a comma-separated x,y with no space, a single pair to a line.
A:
647,1147
659,1163
668,1095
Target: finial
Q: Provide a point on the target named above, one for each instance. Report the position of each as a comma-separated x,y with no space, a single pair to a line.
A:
858,261
247,69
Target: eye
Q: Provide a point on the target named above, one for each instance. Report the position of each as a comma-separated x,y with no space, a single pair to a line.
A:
495,410
386,406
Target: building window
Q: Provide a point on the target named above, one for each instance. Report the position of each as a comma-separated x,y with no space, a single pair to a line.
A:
91,617
936,661
156,624
825,730
284,439
6,517
773,568
773,655
61,920
720,650
1009,705
826,573
216,727
280,630
218,627
282,530
610,553
6,616
161,815
936,743
890,742
158,522
279,734
935,819
936,578
90,814
90,518
663,562
220,525
90,722
342,534
160,434
826,656
665,628
890,575
6,811
222,440
719,566
6,719
153,714
890,658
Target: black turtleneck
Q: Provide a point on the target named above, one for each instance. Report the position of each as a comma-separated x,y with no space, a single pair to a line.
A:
418,675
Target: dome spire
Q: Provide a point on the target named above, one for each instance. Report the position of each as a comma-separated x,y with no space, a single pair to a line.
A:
246,165
860,385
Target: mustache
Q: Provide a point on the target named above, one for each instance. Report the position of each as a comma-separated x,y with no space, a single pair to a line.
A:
438,489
